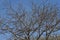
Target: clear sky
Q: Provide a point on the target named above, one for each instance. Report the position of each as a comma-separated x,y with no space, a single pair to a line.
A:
14,3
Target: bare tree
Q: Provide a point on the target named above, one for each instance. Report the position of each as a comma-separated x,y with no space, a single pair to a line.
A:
43,19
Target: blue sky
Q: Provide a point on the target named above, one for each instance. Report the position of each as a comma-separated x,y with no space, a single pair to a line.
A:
14,3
